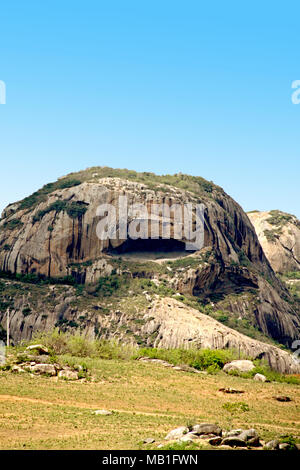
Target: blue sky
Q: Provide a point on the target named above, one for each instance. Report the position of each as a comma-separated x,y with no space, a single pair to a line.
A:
164,86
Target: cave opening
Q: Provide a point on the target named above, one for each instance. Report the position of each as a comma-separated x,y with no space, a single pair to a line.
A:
156,248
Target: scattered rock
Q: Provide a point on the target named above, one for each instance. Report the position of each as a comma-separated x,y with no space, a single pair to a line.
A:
230,390
284,446
248,434
260,378
233,432
282,398
205,428
190,435
68,374
215,441
234,441
102,412
148,440
47,369
42,358
17,369
177,433
254,442
38,348
239,365
186,438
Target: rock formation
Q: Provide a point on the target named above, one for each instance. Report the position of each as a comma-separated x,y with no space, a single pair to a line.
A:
52,234
279,236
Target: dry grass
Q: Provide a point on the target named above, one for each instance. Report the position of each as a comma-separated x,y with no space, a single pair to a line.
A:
148,401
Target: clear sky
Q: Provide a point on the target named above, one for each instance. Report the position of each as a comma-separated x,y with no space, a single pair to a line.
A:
164,86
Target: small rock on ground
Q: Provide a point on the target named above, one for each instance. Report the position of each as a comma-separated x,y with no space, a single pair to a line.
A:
148,440
239,365
102,412
39,348
260,378
177,433
68,374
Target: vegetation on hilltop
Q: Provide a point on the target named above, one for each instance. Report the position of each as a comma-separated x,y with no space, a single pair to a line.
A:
195,184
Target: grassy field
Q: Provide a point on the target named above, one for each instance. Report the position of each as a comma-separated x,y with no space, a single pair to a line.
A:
147,400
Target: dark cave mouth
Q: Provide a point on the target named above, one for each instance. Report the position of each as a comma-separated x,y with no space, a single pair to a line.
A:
159,248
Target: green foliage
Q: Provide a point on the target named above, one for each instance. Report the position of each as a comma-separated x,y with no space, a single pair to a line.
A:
26,311
6,247
290,440
12,224
65,183
292,275
107,286
272,235
56,206
279,218
180,446
75,209
77,345
199,359
39,279
195,184
39,196
236,407
186,262
243,259
261,367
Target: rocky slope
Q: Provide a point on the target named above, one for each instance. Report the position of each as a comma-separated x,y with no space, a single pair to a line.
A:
150,320
279,236
52,234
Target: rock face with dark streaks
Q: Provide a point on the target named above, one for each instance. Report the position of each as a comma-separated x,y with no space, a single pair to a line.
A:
53,233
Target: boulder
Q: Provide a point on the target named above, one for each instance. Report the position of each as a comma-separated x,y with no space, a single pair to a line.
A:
177,433
215,441
239,365
42,358
68,374
189,435
47,369
232,433
102,412
254,442
187,438
282,398
17,369
260,378
149,440
39,348
248,434
230,390
284,446
234,442
205,428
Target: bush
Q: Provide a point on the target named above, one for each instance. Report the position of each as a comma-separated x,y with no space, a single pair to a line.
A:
199,359
236,407
12,224
61,343
108,285
74,209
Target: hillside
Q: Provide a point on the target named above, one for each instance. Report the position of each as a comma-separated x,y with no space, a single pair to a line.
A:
56,271
146,400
